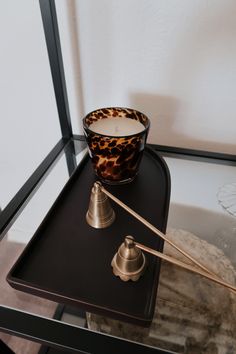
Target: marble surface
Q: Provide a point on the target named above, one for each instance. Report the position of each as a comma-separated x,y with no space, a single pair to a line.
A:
193,315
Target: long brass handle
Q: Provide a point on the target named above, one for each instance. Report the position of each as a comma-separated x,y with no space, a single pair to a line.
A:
155,230
184,265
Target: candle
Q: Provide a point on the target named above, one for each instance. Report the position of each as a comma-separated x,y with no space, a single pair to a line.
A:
116,139
117,126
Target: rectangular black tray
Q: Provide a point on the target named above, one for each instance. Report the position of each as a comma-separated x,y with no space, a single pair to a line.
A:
68,261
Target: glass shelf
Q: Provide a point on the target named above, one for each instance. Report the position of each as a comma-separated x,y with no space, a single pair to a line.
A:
191,313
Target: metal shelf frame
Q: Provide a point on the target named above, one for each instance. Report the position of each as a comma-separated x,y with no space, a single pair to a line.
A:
47,331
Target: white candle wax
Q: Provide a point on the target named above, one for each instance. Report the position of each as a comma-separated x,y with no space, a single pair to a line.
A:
119,126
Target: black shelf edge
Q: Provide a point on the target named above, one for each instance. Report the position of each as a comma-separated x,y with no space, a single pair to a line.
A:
14,207
194,154
63,336
52,38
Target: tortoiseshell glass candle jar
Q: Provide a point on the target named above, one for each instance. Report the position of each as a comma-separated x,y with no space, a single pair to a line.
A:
116,143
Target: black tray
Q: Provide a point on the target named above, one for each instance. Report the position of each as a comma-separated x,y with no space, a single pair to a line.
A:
68,261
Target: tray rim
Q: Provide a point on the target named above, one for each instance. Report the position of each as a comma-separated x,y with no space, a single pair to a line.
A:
34,289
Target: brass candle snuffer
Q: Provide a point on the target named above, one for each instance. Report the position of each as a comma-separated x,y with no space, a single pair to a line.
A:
129,262
100,213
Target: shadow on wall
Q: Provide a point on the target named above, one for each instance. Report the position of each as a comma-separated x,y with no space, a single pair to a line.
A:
162,110
217,228
212,33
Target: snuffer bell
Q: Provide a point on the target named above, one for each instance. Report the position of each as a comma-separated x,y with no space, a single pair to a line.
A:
129,262
100,213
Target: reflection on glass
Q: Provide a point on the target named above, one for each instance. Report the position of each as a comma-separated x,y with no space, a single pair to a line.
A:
227,197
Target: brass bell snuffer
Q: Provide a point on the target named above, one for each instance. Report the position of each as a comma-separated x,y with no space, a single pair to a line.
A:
100,213
129,262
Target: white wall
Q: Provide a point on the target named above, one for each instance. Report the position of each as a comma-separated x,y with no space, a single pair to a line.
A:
175,60
29,125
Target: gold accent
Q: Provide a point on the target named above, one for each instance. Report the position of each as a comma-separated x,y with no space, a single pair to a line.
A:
100,213
185,266
154,229
129,262
204,271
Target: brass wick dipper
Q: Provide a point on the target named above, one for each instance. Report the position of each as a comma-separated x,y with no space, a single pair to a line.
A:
129,262
152,228
204,270
185,266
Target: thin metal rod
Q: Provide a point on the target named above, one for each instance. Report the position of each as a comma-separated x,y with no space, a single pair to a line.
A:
160,234
15,206
66,337
189,154
51,31
197,155
155,230
185,266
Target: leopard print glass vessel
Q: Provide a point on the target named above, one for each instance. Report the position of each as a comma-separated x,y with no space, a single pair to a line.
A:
115,159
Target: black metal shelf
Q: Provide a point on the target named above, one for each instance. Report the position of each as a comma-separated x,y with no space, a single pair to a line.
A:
59,335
